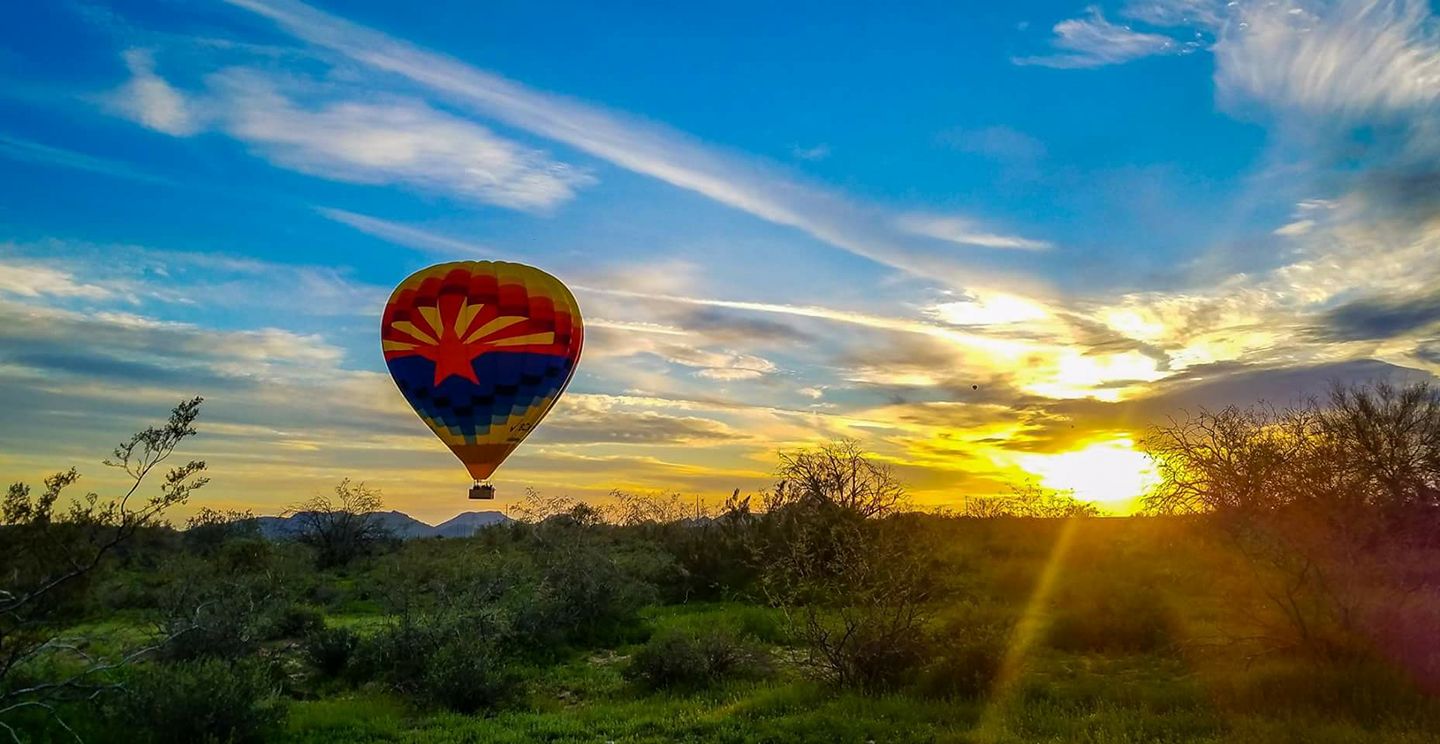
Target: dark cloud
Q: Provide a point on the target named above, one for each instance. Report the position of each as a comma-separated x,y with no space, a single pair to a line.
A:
1429,351
729,326
1211,387
103,368
1411,192
1379,318
1098,338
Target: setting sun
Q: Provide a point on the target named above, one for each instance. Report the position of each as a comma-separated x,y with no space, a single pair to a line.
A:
1111,473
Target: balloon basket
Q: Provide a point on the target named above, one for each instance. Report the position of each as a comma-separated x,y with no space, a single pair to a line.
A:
482,491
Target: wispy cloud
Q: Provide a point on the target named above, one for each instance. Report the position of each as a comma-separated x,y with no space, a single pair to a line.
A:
34,280
1093,41
814,152
148,99
1348,57
628,142
37,152
352,136
425,240
964,232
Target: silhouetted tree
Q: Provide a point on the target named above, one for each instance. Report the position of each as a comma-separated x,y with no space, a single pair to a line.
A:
343,527
838,474
1328,501
50,555
844,570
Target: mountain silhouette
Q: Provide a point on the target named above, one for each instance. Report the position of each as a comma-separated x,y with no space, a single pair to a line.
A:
398,523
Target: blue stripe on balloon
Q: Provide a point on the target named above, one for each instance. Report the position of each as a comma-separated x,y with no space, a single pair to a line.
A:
510,382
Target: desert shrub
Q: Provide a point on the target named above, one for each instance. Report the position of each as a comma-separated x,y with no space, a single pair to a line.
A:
854,592
966,652
1359,690
201,701
864,648
582,596
343,527
676,659
209,529
463,661
296,621
216,608
761,623
396,656
1111,619
469,676
714,556
329,650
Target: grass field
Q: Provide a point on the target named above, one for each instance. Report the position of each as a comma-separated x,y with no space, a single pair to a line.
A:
1112,631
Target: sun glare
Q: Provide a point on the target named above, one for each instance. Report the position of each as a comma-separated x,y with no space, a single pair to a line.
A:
1111,473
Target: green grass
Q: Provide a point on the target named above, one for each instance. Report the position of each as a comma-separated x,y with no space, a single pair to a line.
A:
1125,655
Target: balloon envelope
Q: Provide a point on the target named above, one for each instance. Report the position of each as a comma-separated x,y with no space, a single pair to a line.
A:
482,350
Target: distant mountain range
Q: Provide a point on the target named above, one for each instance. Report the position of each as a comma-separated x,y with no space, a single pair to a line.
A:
400,524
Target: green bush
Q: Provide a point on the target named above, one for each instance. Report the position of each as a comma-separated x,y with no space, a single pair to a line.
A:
296,621
967,654
676,659
467,677
397,656
869,655
201,701
761,623
1111,620
583,596
463,662
329,650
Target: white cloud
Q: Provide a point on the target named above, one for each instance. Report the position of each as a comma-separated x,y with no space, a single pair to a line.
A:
150,100
353,136
1298,227
395,141
628,142
1094,41
34,280
964,232
406,235
1350,57
816,152
53,270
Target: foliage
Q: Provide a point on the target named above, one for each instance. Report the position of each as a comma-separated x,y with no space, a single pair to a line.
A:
52,556
201,701
466,676
225,605
919,627
1029,501
329,650
582,596
839,475
343,527
1370,448
461,659
1117,619
629,509
1331,505
844,568
208,529
966,654
675,659
296,621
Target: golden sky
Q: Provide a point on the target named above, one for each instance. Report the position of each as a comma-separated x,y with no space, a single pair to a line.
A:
992,267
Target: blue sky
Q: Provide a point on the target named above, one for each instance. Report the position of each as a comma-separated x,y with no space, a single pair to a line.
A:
974,237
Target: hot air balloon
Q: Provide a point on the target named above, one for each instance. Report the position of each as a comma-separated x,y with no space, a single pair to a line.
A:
481,350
